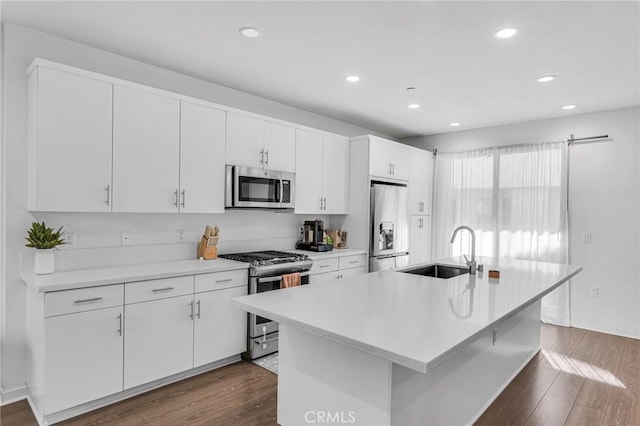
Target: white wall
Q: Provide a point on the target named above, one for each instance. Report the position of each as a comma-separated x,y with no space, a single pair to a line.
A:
604,200
154,236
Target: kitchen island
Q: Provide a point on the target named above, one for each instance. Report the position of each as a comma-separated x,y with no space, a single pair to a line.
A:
396,348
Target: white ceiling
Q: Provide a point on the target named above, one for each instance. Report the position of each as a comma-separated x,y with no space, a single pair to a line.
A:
444,49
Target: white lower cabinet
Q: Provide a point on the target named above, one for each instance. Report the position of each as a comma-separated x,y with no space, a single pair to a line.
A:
89,343
220,330
83,357
158,339
338,267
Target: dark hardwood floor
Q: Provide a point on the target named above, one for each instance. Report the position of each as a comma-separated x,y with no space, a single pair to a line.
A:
580,377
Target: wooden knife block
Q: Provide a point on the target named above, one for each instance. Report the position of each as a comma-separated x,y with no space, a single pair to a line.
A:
205,252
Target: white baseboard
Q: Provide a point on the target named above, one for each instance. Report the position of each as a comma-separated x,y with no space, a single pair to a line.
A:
12,395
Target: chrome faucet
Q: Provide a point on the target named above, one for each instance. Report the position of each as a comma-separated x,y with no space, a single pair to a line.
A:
470,263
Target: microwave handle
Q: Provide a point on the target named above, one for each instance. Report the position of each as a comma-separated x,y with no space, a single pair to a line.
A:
280,191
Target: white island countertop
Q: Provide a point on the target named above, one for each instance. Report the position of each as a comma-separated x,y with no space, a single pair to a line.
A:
411,320
80,278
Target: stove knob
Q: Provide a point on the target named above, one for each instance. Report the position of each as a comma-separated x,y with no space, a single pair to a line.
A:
262,263
255,263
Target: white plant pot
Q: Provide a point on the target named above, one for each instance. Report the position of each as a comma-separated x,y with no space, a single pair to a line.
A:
43,262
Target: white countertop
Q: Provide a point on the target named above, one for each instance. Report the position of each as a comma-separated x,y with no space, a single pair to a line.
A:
80,278
408,319
315,255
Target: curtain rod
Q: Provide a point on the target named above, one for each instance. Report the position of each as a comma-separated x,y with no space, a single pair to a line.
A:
589,139
570,141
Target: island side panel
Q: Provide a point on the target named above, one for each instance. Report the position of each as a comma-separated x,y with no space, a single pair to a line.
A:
321,381
459,389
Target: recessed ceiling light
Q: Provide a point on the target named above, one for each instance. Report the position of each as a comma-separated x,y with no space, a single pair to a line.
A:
568,107
250,32
353,78
414,106
454,124
506,33
546,78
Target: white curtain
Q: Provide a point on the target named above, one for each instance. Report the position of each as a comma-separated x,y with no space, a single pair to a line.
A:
515,198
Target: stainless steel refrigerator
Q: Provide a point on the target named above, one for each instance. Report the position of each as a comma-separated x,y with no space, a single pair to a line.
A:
389,227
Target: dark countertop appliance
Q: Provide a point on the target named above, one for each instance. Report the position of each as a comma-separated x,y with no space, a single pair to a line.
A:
313,237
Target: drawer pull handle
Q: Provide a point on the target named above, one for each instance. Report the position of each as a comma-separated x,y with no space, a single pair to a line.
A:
354,261
157,290
93,299
324,266
226,280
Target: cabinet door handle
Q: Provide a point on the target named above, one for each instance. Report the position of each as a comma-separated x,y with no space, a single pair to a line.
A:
226,280
390,172
184,197
494,337
120,324
320,203
108,200
421,208
262,156
175,203
157,290
191,308
324,205
198,314
93,299
266,156
393,168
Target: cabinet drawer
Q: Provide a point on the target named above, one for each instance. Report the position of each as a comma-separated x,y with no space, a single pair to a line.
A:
325,265
83,299
142,291
220,280
355,261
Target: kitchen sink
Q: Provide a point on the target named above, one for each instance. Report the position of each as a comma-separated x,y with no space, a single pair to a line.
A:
437,271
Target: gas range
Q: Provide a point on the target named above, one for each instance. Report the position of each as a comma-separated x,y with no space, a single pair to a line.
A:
272,262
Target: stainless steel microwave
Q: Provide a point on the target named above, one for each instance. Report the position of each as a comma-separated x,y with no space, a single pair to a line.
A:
249,187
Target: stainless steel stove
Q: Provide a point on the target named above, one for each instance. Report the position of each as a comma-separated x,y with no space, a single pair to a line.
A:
265,274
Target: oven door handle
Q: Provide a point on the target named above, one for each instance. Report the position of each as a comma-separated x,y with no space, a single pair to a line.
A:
279,277
260,341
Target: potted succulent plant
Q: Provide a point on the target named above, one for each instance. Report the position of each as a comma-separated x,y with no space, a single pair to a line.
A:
44,240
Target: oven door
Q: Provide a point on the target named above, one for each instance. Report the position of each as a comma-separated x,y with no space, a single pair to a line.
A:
253,187
260,326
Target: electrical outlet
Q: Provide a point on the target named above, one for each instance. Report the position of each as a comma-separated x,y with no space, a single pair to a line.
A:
181,235
125,238
587,238
595,292
70,239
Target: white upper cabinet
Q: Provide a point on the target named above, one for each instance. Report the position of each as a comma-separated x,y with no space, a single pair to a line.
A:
420,181
202,159
335,174
146,149
388,159
279,147
253,142
69,142
322,173
245,141
309,160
